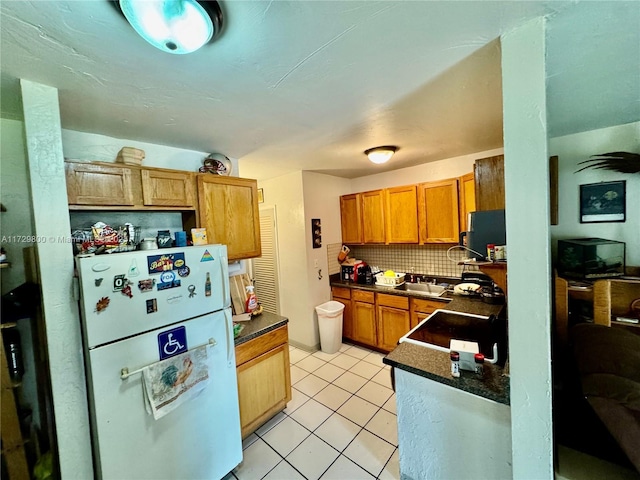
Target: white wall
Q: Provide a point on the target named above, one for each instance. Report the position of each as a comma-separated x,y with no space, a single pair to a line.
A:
16,224
447,433
527,222
572,149
321,200
55,261
286,194
427,172
100,148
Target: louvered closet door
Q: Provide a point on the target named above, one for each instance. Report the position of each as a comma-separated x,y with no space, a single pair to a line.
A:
265,268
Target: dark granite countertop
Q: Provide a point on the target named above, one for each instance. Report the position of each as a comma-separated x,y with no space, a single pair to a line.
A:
259,325
436,365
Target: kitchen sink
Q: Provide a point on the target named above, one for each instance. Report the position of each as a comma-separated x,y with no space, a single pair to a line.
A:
427,289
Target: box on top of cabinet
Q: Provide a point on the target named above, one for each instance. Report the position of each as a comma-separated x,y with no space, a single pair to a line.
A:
590,258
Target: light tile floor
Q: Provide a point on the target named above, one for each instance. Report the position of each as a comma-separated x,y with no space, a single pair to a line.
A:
339,424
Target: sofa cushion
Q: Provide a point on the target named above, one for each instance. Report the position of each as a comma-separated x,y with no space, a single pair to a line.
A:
600,349
621,390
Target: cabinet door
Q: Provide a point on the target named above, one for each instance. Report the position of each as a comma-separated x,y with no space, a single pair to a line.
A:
264,387
489,183
401,214
228,208
347,319
364,323
393,323
438,211
467,198
91,184
417,317
168,189
351,218
373,216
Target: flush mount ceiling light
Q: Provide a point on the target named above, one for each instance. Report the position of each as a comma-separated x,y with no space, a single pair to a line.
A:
380,154
174,26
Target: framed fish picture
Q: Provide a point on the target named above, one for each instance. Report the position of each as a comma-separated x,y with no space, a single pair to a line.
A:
603,202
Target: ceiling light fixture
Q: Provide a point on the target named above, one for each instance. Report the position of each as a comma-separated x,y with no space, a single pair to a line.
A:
174,26
380,154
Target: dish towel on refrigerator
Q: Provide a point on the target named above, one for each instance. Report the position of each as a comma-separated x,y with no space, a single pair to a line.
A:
169,383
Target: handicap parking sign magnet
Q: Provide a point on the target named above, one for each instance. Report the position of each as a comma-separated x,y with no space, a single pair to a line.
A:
172,342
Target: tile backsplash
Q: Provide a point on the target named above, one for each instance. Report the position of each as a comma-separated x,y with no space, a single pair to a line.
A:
437,260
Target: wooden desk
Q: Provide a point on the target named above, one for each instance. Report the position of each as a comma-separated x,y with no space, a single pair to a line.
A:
610,298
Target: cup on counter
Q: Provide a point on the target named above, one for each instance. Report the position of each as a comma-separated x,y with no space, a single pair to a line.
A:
181,239
500,252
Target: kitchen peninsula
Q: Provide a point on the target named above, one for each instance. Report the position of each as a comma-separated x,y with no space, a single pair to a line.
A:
448,427
451,427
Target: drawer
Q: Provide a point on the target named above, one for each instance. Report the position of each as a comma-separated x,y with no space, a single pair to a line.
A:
341,292
262,344
363,296
394,301
425,306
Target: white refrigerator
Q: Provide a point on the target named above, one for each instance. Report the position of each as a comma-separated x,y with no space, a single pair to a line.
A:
141,311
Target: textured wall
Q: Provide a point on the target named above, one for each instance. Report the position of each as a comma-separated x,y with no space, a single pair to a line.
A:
527,222
51,215
445,433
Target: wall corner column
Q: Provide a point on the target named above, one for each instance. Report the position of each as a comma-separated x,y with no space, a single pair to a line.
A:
528,238
56,267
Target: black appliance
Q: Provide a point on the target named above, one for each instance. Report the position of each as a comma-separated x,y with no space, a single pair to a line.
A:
485,227
346,274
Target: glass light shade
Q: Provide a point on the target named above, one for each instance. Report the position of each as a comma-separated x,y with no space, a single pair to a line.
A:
173,26
380,154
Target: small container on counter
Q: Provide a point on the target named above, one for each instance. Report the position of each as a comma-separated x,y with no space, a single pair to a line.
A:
478,358
491,252
455,364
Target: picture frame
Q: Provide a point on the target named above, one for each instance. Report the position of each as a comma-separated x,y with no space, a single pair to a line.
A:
603,202
260,196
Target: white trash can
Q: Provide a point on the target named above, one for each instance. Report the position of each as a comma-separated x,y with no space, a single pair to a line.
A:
330,325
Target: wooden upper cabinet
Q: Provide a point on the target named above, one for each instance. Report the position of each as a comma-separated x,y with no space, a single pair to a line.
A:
467,198
401,214
438,211
373,216
166,188
99,184
351,218
228,208
489,183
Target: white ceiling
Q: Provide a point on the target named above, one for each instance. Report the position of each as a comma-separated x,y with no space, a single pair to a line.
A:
310,85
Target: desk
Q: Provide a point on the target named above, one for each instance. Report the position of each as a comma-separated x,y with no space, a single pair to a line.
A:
610,298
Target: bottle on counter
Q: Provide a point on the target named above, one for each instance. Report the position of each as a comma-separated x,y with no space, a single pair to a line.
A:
252,300
455,364
478,358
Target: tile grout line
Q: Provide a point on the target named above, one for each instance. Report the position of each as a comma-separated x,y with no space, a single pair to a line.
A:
378,408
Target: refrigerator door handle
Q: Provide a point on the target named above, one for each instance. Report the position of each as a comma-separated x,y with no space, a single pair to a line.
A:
125,373
230,343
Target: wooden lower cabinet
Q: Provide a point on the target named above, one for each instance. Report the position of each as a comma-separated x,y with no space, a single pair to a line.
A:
363,310
264,378
343,295
392,318
421,309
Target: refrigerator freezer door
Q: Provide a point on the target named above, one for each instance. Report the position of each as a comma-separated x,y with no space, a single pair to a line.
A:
199,439
125,294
